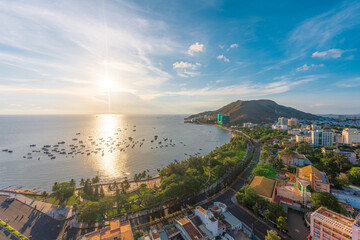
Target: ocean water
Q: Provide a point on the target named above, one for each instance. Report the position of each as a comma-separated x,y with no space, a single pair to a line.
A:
82,146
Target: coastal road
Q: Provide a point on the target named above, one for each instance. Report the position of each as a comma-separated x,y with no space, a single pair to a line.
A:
259,227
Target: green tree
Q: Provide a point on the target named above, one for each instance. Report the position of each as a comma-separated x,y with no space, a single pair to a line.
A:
324,199
73,183
247,196
264,169
281,223
102,193
44,194
63,191
105,206
95,179
138,235
90,212
354,175
274,211
272,236
82,182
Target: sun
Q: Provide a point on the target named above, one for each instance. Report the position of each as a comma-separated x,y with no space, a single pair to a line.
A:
106,83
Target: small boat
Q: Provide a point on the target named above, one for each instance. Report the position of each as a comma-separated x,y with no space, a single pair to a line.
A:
10,151
32,145
5,150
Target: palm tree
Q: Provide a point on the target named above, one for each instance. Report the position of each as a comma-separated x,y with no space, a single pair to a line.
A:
82,182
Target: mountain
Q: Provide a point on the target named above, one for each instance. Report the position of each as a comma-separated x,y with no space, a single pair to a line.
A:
255,111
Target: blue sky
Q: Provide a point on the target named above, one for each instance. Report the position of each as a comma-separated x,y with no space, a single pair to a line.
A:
177,56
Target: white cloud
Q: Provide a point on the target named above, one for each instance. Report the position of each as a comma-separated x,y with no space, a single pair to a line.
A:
306,67
182,65
221,46
196,47
219,81
320,31
248,89
234,45
331,53
222,57
186,69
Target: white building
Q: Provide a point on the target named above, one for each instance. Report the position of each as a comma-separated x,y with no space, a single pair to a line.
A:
303,138
280,127
249,125
322,138
351,136
329,225
211,223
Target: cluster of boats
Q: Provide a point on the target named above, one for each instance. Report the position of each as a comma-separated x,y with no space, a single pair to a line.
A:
92,146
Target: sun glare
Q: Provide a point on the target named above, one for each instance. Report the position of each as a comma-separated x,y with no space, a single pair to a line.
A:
106,83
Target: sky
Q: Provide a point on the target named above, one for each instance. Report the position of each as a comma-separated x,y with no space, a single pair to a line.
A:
177,57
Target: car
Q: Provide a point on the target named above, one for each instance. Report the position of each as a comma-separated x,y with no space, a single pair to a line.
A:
9,199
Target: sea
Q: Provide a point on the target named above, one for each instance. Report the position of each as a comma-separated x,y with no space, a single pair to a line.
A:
38,150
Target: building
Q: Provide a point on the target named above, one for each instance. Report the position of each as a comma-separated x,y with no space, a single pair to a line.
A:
293,122
315,127
223,119
296,160
211,223
349,154
282,121
295,131
353,198
249,125
322,138
351,136
264,187
188,230
326,224
303,138
116,230
280,127
154,233
311,176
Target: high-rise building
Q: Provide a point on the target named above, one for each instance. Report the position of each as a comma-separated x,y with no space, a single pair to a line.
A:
223,119
293,122
329,225
322,138
351,136
282,121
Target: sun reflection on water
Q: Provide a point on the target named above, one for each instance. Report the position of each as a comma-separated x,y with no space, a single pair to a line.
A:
111,163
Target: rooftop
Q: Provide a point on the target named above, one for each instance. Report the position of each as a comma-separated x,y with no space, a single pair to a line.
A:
116,229
308,170
190,228
263,186
334,219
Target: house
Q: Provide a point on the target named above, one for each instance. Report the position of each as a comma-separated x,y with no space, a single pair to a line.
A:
116,230
349,154
311,176
295,160
231,221
188,230
154,233
264,187
215,226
